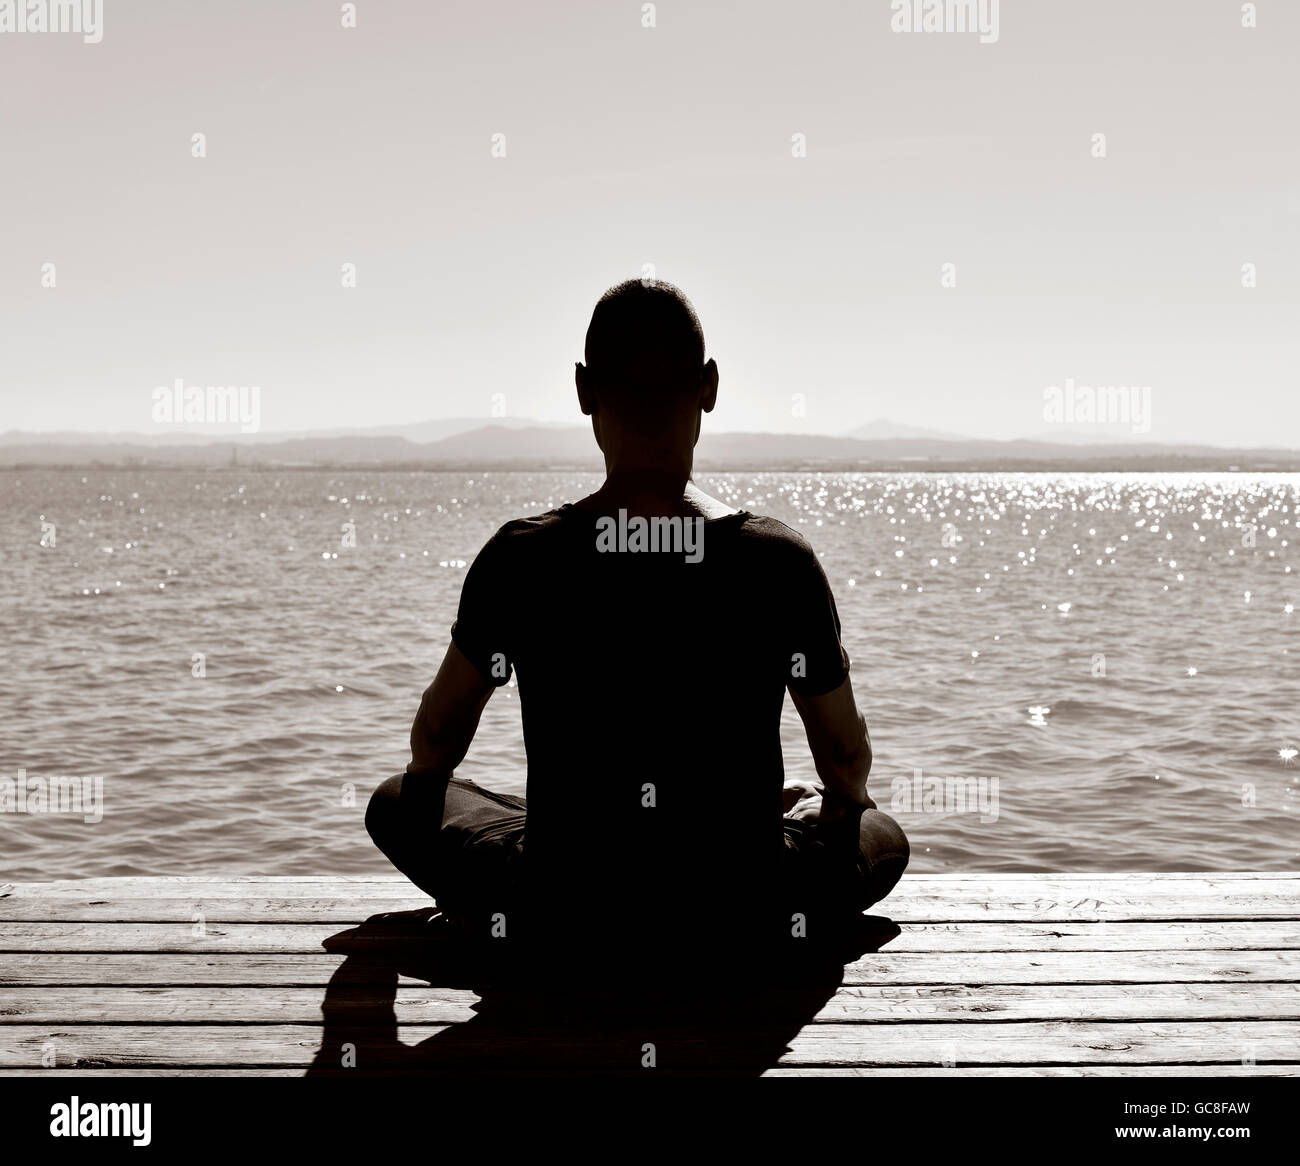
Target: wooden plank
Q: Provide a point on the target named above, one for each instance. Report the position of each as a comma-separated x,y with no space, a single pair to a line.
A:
862,1004
1230,935
230,887
318,886
181,910
921,898
1193,1071
308,970
874,1003
961,1044
1024,1071
107,1075
950,907
182,1006
314,885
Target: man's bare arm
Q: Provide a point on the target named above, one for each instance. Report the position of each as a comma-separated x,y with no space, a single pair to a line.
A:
841,749
449,715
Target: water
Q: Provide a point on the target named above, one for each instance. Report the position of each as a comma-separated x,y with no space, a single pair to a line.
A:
1148,619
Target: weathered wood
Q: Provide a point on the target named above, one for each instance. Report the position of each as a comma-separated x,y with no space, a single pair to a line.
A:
332,910
1229,935
923,898
882,967
317,885
340,911
976,1043
1036,1071
111,1074
1013,974
864,1004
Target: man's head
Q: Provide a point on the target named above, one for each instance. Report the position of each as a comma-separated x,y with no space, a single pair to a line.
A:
646,381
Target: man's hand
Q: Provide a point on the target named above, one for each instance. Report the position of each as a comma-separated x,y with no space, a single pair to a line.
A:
837,819
802,801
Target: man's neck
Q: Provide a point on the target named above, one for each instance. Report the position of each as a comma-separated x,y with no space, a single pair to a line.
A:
651,494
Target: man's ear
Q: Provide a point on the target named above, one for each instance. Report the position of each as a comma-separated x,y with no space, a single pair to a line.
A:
709,386
586,399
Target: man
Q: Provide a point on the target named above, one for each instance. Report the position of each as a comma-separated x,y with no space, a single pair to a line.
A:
654,631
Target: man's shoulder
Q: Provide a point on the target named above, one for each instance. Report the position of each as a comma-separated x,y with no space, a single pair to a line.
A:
756,535
520,534
776,538
782,554
530,526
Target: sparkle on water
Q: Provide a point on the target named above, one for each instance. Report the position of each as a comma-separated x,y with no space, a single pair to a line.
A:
951,590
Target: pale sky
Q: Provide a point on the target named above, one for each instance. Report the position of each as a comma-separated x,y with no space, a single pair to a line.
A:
668,146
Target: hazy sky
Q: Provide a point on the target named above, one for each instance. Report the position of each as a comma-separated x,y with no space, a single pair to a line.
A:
669,146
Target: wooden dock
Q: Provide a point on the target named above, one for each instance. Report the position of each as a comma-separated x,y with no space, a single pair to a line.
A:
1144,974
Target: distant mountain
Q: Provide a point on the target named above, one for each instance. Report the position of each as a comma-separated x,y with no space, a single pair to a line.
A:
419,431
493,443
883,429
511,446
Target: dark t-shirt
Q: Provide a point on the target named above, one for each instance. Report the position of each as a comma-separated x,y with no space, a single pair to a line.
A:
651,689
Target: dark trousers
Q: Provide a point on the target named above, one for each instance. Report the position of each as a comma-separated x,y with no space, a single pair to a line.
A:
463,845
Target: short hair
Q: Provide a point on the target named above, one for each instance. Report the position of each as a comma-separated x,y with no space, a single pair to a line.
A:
645,333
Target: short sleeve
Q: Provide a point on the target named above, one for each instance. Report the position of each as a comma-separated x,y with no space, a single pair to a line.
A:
481,629
817,661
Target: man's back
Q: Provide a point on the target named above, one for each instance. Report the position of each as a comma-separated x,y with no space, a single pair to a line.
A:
651,687
654,633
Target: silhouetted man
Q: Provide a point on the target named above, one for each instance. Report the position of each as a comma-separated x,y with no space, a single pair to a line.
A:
654,631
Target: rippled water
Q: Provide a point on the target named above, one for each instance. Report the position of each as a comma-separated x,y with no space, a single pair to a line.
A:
1148,619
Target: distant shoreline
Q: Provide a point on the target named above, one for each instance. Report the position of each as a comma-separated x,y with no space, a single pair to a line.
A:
898,466
534,447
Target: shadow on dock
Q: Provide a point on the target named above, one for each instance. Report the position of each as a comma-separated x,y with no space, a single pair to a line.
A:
736,1025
